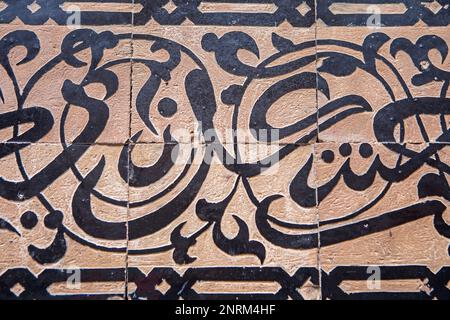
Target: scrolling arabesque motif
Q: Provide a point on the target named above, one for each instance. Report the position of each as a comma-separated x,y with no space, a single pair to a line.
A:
199,90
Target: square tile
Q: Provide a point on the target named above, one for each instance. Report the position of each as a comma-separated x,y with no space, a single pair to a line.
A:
222,217
383,206
61,84
383,85
233,83
63,223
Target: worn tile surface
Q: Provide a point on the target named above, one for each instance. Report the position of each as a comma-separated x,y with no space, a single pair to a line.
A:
41,184
368,75
389,207
240,149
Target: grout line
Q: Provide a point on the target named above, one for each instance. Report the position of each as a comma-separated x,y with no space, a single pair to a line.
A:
319,265
323,142
126,225
129,149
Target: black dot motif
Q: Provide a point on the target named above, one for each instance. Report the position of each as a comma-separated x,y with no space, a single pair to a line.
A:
53,220
345,149
167,107
29,220
328,156
365,150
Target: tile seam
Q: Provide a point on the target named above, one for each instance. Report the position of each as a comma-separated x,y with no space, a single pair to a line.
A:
319,266
129,149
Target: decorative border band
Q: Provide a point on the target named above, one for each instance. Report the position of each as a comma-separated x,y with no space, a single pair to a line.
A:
298,13
36,287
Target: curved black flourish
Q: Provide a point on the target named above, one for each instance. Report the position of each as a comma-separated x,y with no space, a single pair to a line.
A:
5,225
240,244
